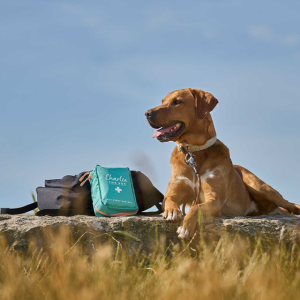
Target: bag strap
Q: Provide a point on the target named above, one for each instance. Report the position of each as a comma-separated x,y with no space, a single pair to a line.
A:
64,212
19,210
57,212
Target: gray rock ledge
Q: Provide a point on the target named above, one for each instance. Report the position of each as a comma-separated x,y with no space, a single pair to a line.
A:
20,229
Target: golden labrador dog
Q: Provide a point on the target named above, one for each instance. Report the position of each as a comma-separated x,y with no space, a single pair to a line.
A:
224,189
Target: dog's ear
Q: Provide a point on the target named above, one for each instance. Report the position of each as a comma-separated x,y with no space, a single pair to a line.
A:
204,102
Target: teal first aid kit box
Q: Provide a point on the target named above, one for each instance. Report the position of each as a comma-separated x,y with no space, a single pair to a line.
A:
112,192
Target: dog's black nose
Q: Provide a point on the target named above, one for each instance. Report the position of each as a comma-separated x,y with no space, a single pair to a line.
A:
149,113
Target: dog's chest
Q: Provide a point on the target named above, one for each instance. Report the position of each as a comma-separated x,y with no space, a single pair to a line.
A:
187,182
209,174
190,180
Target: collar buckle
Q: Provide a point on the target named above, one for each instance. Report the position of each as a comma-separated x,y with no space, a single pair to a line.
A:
181,149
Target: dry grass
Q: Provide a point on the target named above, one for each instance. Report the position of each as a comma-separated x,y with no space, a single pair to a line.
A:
229,269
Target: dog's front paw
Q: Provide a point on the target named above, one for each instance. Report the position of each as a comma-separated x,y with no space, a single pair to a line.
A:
182,233
189,225
172,214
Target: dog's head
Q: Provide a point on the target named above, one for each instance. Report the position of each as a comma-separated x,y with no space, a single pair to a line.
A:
181,111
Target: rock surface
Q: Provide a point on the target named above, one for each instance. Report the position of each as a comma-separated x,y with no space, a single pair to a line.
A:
148,231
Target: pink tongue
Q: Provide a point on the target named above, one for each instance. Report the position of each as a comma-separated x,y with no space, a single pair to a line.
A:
162,131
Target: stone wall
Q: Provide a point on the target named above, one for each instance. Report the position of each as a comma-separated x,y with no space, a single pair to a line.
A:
147,231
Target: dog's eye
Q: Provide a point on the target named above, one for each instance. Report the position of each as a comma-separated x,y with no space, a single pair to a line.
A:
176,102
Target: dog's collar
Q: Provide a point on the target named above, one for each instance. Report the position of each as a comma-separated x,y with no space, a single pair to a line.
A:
194,148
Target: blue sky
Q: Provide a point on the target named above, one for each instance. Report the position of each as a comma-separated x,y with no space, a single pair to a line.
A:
77,76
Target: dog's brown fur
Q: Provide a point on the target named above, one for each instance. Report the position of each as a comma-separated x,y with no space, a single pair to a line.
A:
226,189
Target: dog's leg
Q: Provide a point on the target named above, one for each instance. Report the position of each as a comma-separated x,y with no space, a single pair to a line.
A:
264,195
210,208
280,211
214,191
180,191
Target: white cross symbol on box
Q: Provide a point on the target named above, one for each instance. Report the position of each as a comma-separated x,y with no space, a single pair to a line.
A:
118,190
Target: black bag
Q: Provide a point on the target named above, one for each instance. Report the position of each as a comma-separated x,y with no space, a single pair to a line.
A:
65,197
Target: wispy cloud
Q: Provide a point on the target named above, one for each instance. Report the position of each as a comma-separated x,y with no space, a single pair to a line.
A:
98,23
296,57
260,32
161,18
82,15
267,34
290,39
209,33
